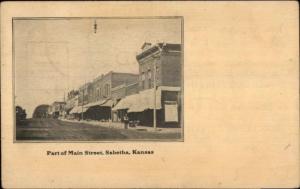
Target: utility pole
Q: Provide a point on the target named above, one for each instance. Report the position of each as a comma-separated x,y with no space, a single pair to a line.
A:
82,103
154,89
156,58
64,112
111,113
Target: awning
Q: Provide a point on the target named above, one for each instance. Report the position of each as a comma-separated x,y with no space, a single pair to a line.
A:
68,109
78,109
126,102
104,103
73,110
140,101
108,103
168,88
98,103
145,101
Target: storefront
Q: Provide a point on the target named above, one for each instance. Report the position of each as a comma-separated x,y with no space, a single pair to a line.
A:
100,110
78,112
139,107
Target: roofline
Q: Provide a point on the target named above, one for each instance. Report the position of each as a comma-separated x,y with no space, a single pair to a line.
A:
125,73
60,102
124,85
160,47
132,84
118,87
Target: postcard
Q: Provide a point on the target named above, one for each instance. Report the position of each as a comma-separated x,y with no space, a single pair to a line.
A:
150,94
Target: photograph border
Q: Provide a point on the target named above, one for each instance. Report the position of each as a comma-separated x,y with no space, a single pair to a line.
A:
181,139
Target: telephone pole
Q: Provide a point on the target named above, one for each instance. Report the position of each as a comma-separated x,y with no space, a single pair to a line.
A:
82,103
154,86
154,89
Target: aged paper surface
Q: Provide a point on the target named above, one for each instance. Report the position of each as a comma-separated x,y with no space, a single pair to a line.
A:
240,101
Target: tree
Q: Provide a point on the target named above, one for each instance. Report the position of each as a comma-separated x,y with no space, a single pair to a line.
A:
20,113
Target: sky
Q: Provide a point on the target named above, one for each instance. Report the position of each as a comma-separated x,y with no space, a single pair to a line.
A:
54,56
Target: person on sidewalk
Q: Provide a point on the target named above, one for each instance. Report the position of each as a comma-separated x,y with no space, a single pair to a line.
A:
126,121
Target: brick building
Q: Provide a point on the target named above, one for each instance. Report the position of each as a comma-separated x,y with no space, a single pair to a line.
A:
71,102
83,94
166,59
99,98
110,96
102,85
119,93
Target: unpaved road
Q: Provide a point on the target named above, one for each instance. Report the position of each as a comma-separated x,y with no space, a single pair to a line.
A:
57,130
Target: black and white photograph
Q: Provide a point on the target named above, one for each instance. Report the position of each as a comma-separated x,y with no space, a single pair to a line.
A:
98,79
149,94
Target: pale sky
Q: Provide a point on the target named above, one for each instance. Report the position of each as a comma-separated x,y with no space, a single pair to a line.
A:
53,57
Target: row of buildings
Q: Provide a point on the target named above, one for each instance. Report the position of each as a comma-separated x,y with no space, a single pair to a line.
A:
112,95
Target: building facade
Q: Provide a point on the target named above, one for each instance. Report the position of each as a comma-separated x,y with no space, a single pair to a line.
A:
119,93
71,102
95,98
83,94
167,59
56,109
158,86
160,63
102,85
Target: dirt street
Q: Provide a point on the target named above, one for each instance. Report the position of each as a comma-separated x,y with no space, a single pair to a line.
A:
57,130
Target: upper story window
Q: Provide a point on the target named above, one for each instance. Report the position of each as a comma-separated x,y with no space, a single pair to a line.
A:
149,78
149,74
143,76
106,90
98,94
143,80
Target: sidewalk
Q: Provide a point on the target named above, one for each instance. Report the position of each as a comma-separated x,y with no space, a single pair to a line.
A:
119,125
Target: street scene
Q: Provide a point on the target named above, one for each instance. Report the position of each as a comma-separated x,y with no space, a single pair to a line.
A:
54,129
98,79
